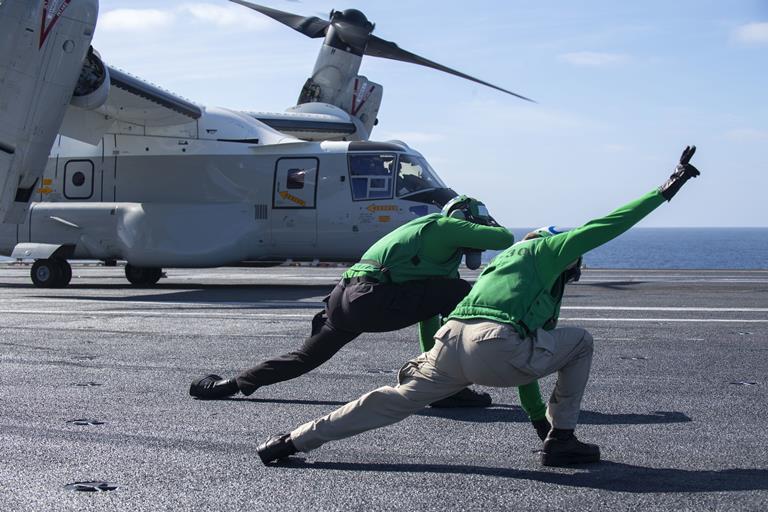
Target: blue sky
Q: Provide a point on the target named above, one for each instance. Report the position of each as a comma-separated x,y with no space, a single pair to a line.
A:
621,88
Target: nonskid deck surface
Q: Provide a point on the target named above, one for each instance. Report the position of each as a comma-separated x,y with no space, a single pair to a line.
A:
677,400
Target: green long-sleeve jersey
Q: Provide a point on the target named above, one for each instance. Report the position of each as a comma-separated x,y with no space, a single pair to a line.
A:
427,247
519,287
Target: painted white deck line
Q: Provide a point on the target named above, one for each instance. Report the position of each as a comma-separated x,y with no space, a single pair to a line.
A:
289,316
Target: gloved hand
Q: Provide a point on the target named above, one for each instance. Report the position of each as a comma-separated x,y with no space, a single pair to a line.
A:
473,258
542,427
683,172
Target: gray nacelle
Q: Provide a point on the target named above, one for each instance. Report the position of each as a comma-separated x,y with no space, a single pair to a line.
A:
93,85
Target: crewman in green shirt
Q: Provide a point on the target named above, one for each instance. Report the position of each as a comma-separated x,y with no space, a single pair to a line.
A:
502,334
408,276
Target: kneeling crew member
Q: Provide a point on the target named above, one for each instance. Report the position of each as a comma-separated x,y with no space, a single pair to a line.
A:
497,336
408,276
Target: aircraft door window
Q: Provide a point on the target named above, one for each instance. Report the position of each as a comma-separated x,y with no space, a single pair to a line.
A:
295,183
414,175
296,179
371,176
78,179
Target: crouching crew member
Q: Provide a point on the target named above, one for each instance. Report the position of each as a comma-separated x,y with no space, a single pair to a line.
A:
409,275
497,336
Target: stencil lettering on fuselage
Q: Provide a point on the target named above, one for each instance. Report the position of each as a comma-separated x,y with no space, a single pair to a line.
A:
52,11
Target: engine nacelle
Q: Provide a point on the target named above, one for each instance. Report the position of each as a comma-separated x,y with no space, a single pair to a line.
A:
93,86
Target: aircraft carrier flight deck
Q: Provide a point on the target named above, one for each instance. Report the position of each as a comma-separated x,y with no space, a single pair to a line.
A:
94,383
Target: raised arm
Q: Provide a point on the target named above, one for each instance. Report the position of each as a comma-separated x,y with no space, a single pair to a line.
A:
561,250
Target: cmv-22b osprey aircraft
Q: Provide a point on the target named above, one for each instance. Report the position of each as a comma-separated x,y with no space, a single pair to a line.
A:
98,164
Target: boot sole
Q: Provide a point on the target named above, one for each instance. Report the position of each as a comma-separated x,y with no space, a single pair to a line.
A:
548,459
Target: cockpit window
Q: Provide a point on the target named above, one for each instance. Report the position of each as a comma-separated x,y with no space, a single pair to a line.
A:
414,175
371,176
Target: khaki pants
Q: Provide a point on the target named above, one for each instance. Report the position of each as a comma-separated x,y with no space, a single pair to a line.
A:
477,351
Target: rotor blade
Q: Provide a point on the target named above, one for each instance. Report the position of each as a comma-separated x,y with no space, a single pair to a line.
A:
378,47
310,26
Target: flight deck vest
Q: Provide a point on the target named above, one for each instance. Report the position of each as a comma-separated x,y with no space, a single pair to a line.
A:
513,290
397,257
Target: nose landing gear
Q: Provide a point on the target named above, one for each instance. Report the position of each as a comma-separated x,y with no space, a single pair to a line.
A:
51,273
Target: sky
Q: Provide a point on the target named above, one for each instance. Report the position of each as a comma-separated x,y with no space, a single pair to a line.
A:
621,88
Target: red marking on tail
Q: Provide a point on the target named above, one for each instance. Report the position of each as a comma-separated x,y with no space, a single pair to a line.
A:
48,21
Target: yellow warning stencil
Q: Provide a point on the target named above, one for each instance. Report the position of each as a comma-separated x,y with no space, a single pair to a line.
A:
290,197
382,208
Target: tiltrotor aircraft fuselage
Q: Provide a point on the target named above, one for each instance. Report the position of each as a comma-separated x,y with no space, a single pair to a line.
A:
136,173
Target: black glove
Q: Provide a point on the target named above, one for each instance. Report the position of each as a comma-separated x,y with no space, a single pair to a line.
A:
683,172
542,427
473,258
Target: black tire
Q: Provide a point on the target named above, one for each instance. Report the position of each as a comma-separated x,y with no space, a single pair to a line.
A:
47,273
66,273
143,276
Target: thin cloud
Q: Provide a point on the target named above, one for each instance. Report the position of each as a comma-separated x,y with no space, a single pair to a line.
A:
232,17
752,33
229,16
593,59
748,135
135,20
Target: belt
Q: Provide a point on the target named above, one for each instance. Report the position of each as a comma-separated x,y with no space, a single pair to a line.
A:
360,279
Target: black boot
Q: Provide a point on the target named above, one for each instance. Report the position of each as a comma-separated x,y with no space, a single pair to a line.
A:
561,448
276,448
467,397
213,387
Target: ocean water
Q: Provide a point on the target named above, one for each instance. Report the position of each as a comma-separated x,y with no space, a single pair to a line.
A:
678,248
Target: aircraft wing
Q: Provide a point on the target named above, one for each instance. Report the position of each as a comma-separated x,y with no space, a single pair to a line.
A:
309,126
136,101
130,100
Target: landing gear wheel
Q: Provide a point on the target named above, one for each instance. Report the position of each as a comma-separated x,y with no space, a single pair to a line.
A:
143,276
66,273
48,273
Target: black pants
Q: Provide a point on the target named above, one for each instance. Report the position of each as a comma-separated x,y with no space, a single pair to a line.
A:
353,308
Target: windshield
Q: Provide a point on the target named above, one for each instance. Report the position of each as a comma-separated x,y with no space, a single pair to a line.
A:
371,176
414,174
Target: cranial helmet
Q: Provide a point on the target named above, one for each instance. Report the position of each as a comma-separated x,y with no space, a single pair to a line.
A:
469,209
573,271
